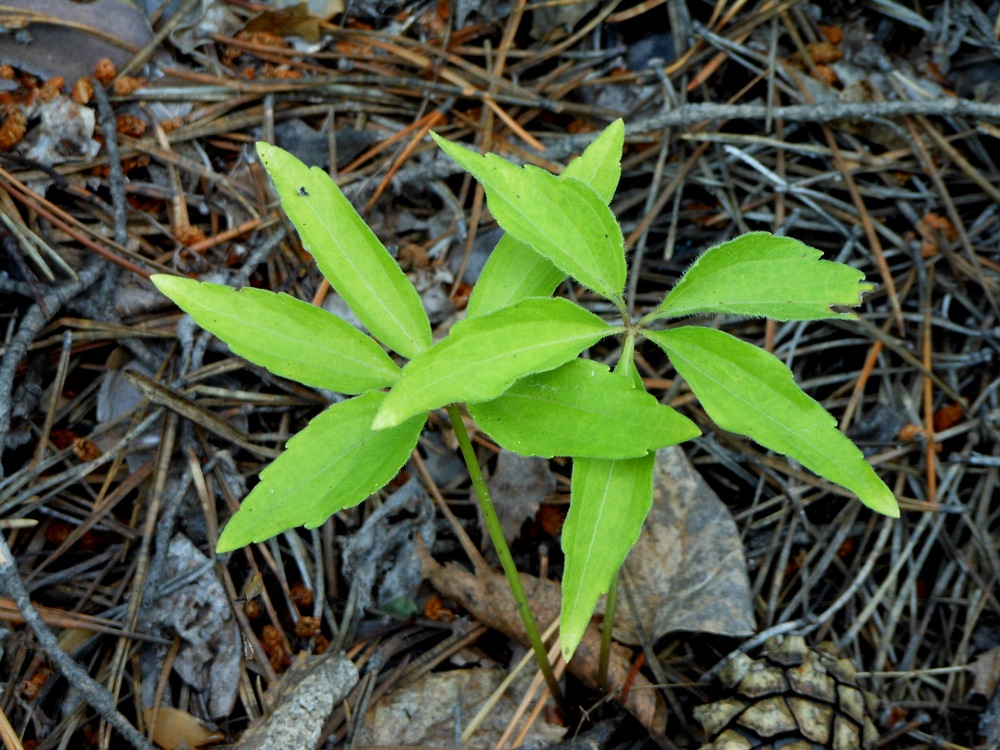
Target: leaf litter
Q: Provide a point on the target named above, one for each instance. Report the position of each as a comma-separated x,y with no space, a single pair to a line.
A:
867,133
688,570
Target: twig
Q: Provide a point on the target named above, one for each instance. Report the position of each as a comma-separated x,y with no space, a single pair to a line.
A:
33,322
116,179
691,114
94,693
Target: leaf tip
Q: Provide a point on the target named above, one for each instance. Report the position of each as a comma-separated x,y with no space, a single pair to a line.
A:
228,540
265,150
883,502
169,285
570,641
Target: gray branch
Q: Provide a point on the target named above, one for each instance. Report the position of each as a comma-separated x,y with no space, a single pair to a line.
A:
96,695
687,115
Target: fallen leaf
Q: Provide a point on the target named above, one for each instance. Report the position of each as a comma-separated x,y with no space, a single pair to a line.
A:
486,596
518,486
688,570
554,21
427,712
74,38
986,672
175,728
292,20
202,615
324,10
379,559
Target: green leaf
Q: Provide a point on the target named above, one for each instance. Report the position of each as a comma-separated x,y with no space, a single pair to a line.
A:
512,272
482,357
289,337
560,218
348,253
600,165
334,463
609,501
746,390
581,409
760,274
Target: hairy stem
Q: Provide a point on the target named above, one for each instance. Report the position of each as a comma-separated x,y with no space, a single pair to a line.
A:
503,551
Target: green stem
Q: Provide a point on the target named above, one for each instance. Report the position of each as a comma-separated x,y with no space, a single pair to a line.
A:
622,308
626,368
607,628
503,551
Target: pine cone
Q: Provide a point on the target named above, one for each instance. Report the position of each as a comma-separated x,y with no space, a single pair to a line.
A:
793,698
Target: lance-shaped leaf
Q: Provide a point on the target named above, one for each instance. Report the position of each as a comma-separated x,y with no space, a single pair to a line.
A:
760,274
481,357
289,337
514,271
609,501
581,409
348,253
562,219
600,164
335,462
746,390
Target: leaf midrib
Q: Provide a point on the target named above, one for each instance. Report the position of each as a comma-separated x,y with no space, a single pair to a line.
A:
774,421
328,227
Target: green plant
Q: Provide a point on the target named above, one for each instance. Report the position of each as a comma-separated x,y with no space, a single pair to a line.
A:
515,360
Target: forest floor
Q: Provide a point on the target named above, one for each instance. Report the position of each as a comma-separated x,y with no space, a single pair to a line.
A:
129,436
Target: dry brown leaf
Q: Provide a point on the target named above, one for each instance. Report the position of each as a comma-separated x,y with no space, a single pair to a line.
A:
687,571
293,20
554,21
518,486
174,727
486,596
986,672
296,19
64,46
324,10
211,649
426,713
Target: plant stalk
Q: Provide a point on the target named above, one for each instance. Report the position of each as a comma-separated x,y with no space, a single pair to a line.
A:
503,551
626,368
